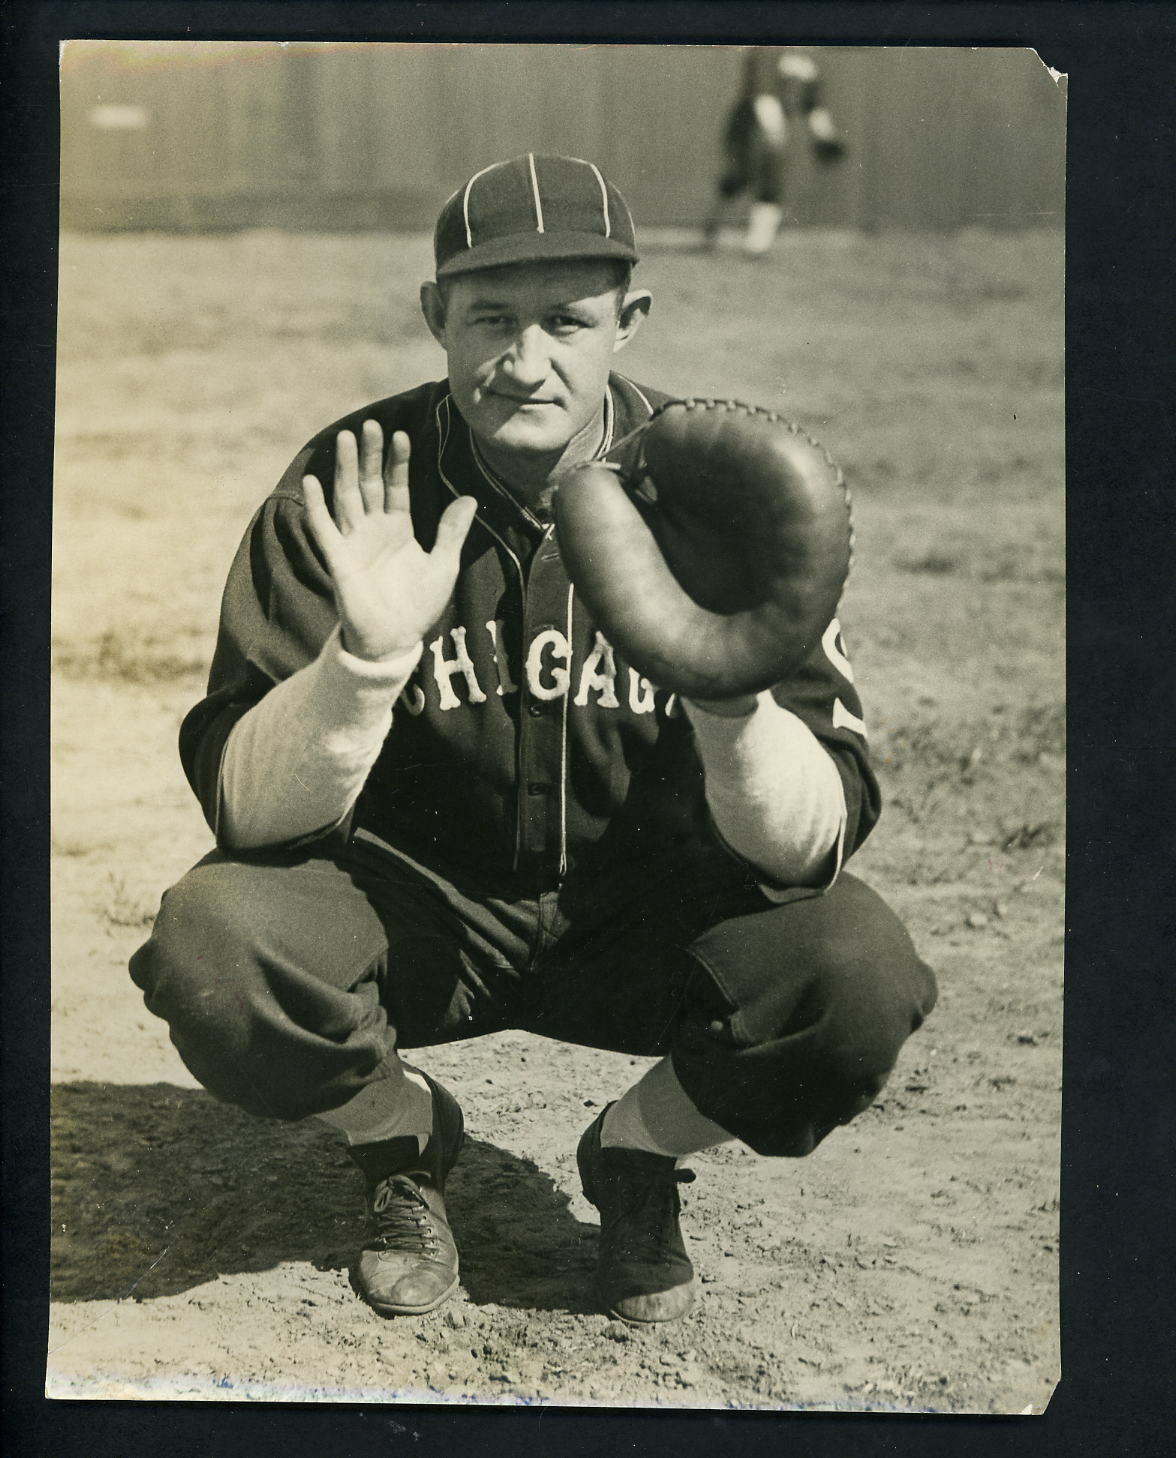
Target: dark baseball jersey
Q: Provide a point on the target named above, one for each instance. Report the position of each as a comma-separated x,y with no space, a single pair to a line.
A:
784,72
524,750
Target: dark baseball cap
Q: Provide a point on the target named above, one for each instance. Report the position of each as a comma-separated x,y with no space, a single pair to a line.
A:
534,207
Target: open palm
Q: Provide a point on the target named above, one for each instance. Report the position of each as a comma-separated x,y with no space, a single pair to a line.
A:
388,590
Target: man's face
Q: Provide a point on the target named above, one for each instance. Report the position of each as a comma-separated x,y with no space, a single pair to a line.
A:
529,348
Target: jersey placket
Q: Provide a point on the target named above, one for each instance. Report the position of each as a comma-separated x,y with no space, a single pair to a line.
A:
544,678
544,695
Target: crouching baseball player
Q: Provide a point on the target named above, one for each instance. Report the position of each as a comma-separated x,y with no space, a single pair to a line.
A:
529,709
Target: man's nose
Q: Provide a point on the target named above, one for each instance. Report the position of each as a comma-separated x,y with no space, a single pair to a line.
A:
526,359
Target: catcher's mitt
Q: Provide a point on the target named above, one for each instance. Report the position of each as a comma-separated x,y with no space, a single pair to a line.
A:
716,562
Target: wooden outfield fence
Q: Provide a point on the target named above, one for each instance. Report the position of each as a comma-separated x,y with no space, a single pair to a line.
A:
196,135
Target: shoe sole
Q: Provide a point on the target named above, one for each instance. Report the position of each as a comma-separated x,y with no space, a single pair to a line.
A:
637,1321
382,1308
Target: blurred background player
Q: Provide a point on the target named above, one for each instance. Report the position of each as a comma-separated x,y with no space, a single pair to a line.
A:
779,105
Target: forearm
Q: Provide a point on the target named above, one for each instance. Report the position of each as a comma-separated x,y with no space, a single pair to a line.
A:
772,788
297,761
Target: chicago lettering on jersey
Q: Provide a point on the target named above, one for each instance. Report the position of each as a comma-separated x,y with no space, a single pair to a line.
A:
448,673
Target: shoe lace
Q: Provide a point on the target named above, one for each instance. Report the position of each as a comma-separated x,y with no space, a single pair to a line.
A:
649,1211
401,1218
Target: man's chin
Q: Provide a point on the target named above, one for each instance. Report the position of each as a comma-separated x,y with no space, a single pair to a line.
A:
525,438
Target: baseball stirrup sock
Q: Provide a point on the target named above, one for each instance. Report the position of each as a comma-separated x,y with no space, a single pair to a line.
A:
401,1104
763,224
656,1115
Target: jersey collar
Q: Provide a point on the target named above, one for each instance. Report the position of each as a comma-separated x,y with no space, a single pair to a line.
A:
465,468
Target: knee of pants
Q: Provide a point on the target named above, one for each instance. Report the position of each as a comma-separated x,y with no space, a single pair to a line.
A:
865,1011
843,994
195,968
813,1022
782,1085
252,1026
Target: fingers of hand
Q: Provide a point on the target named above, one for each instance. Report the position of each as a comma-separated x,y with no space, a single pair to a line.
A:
396,485
359,475
371,466
349,507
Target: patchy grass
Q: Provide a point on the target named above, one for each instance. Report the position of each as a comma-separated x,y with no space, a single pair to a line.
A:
935,564
113,657
126,905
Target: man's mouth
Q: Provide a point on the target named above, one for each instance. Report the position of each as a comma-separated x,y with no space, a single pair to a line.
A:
521,400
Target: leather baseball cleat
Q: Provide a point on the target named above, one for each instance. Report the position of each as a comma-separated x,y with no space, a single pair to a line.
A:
409,1263
643,1274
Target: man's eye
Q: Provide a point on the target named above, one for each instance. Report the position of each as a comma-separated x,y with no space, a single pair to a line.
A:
566,323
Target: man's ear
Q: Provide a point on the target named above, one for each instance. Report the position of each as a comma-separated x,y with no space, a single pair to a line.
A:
433,308
632,314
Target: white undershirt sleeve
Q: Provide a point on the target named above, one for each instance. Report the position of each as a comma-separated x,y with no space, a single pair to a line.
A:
294,764
770,115
773,791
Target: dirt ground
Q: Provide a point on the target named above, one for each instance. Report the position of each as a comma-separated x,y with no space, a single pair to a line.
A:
910,1264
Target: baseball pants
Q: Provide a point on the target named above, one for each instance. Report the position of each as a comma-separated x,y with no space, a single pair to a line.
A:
288,979
754,164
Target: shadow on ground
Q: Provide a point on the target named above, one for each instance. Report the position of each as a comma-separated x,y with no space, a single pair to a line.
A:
157,1189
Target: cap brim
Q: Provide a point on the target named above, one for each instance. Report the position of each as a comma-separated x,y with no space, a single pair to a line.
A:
535,248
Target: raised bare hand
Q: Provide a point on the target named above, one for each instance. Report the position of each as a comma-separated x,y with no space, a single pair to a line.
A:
388,590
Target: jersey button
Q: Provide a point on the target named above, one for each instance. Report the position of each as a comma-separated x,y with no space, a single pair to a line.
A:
534,710
539,787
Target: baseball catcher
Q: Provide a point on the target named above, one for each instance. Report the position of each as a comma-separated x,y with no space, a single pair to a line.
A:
530,709
779,107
